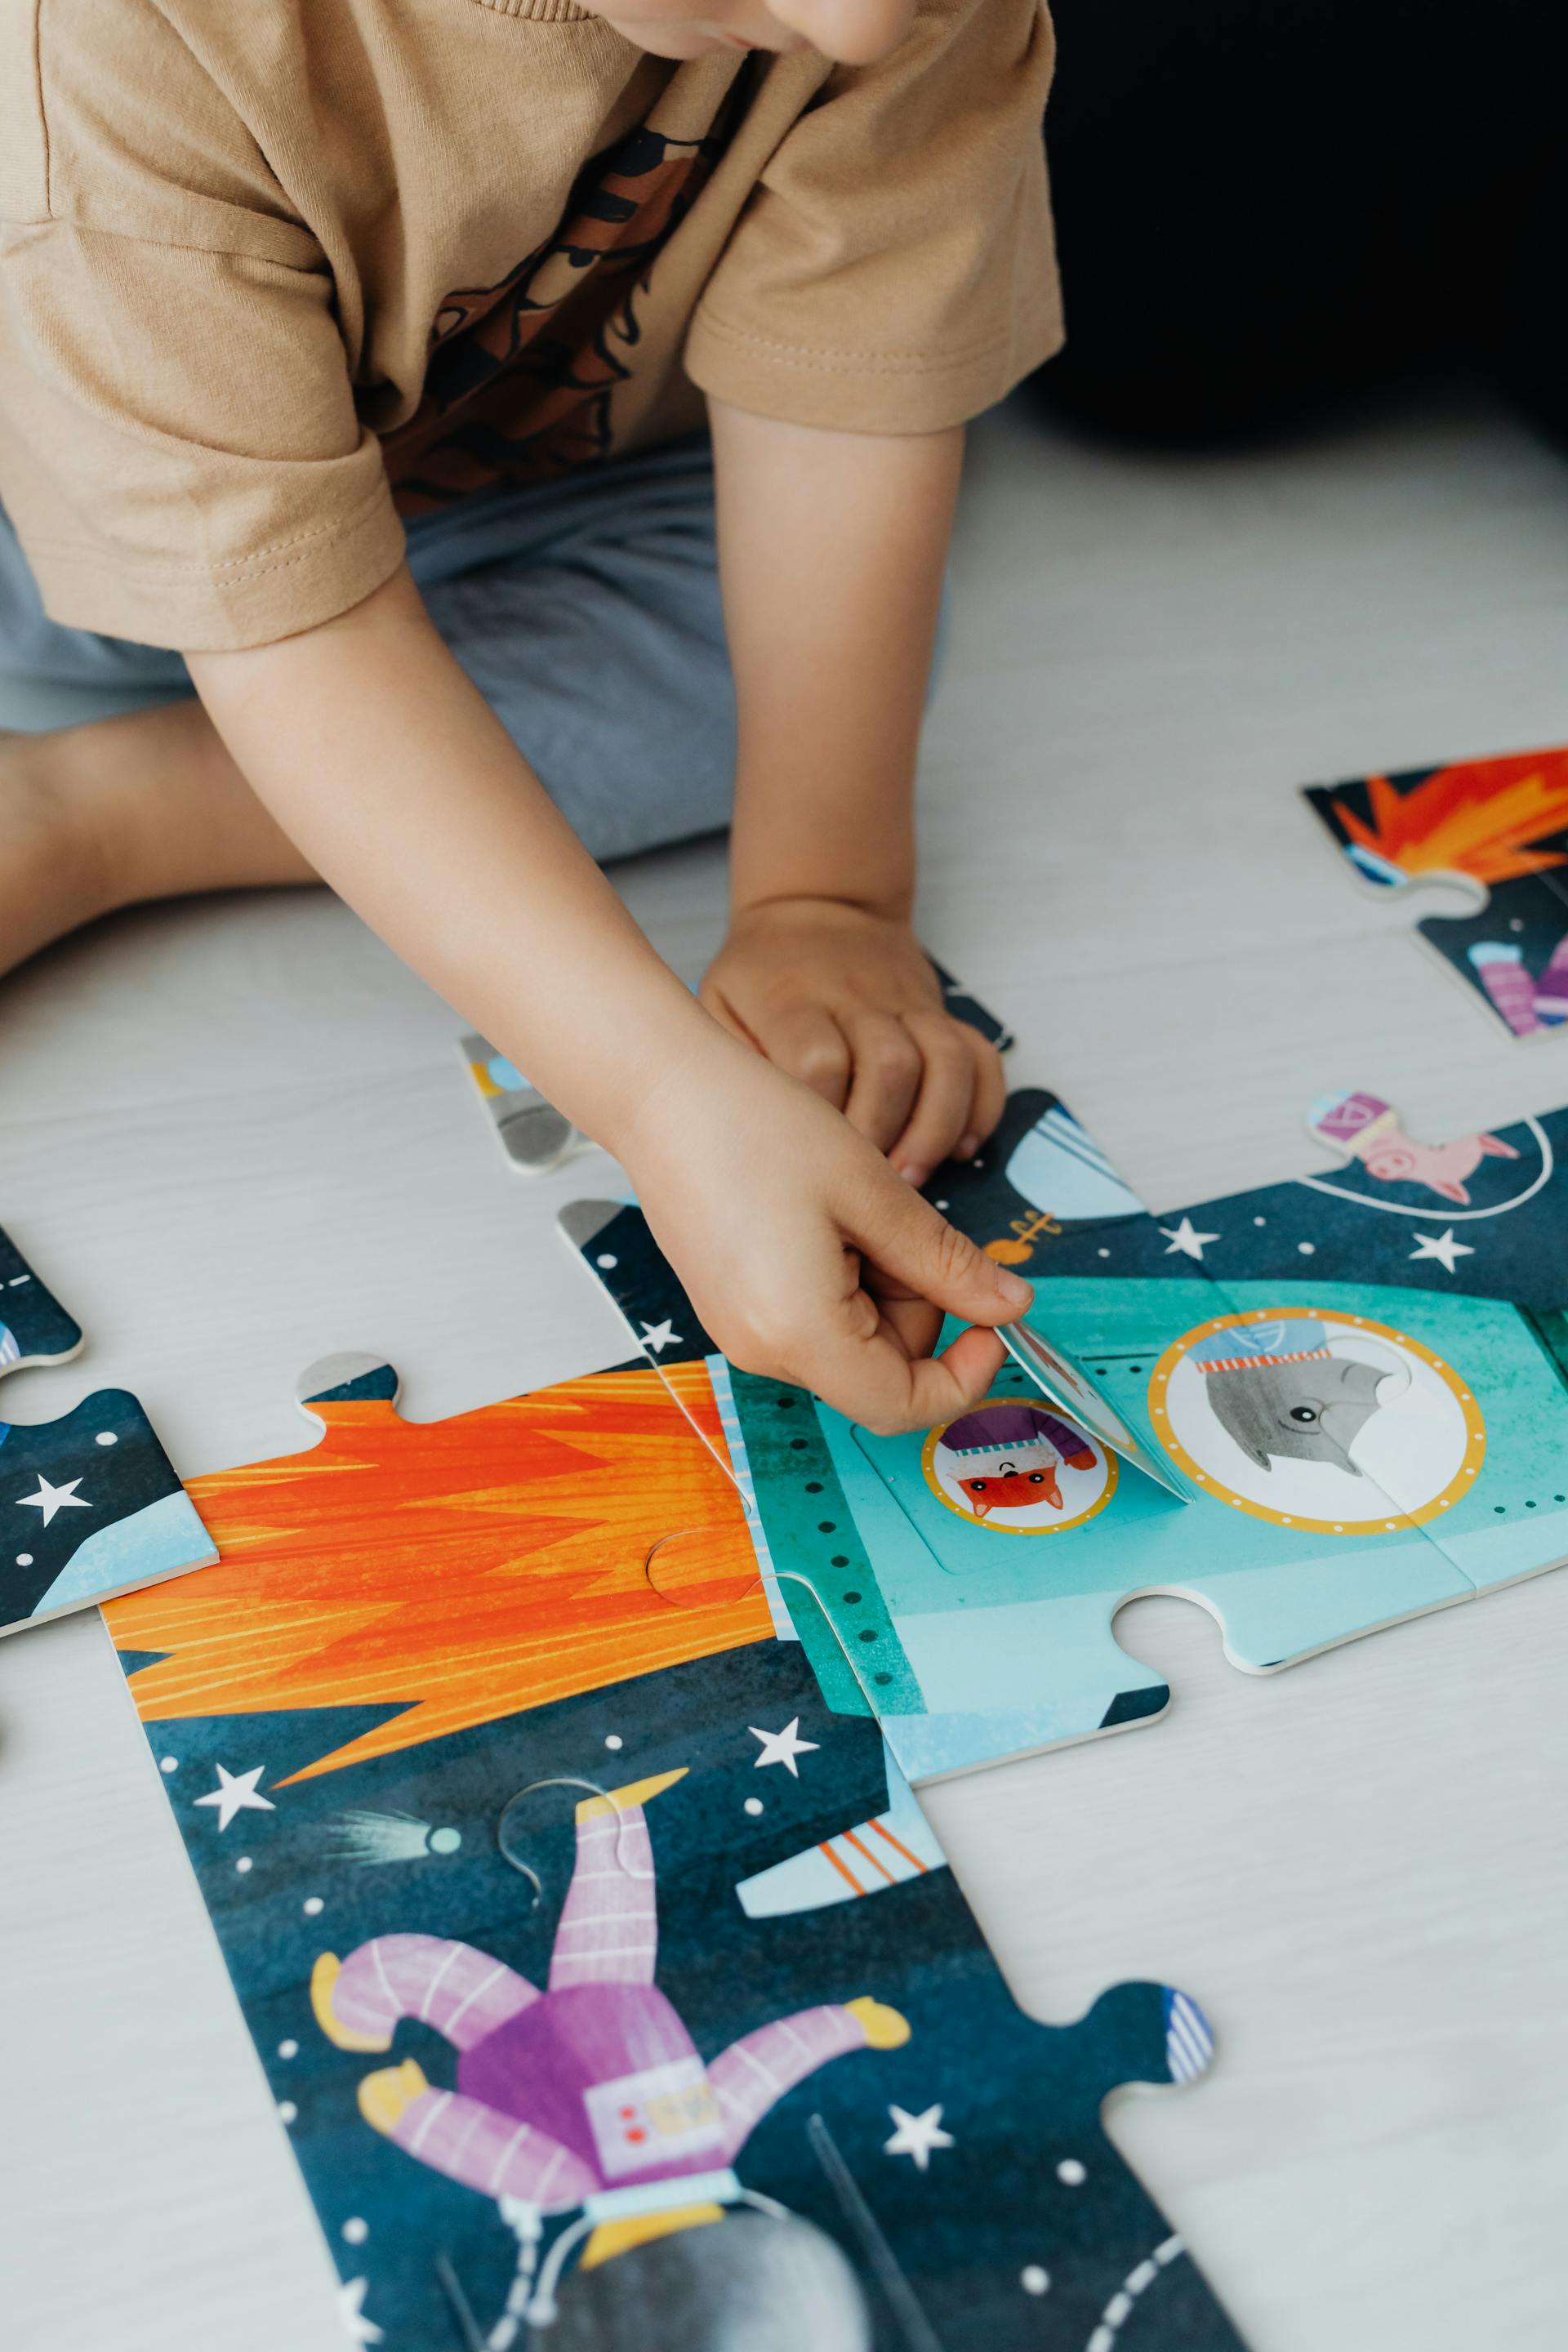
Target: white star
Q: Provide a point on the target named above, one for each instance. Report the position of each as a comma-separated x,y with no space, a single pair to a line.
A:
1182,1237
50,1500
917,2136
659,1335
1441,1246
351,2312
236,1793
783,1747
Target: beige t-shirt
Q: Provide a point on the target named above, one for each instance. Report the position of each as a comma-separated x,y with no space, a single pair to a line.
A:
273,273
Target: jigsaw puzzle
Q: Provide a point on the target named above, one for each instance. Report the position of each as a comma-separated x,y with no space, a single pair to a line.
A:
1369,1413
90,1503
611,1984
1499,826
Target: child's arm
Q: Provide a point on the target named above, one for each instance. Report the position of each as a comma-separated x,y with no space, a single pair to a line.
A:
378,757
831,548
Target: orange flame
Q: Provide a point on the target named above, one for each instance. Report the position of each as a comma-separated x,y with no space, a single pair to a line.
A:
458,1570
1481,818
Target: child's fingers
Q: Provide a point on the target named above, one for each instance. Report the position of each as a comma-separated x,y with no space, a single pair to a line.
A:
990,1098
889,1067
944,1108
876,1382
920,1252
808,1042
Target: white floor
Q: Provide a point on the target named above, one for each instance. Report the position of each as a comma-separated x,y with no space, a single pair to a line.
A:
237,1137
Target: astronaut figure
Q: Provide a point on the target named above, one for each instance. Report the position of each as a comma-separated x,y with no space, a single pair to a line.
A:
591,2094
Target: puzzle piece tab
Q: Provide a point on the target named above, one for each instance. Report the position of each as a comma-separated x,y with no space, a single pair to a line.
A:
539,1933
1501,825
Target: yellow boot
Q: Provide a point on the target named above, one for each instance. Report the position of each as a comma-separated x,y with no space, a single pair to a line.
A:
384,2096
324,1976
883,2027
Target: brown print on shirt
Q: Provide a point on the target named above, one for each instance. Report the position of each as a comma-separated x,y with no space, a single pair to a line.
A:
521,375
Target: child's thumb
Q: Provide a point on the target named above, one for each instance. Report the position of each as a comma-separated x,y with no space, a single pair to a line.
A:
905,1238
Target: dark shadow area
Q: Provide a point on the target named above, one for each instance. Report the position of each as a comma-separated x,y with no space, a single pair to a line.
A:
1266,211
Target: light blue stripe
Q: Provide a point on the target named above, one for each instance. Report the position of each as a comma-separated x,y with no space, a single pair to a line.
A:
153,1542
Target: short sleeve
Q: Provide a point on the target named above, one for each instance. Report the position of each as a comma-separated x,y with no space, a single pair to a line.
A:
180,452
894,269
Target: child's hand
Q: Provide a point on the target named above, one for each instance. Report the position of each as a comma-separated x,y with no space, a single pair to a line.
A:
847,1001
805,1256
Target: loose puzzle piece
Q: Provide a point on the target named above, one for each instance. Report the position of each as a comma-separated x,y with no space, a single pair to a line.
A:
537,1137
1360,1445
34,1326
534,1135
613,1989
1500,825
89,1505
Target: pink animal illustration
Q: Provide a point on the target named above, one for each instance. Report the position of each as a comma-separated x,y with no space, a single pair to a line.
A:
1364,1127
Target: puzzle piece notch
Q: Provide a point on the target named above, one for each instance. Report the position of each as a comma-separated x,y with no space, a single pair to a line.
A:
1498,829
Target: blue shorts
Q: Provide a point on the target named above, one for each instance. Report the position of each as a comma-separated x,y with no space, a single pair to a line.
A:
586,611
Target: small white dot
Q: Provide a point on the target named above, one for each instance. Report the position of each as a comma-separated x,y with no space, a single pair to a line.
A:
1307,1249
1339,1527
612,1740
1032,2279
288,2050
1071,2172
244,1862
168,1763
355,2231
941,1204
107,1437
23,1559
606,1258
753,1804
1104,1253
312,1905
1260,1220
286,2111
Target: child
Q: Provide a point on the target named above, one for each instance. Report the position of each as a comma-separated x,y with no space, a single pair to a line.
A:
275,283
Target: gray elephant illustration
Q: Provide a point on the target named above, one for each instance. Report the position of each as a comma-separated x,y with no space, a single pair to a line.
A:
1285,1392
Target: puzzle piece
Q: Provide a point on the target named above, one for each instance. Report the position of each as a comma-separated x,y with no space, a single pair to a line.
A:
534,1135
34,1326
89,1506
1243,1346
1499,825
90,1503
528,1923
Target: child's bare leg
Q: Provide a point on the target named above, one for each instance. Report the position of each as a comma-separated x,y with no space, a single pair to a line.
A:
149,805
